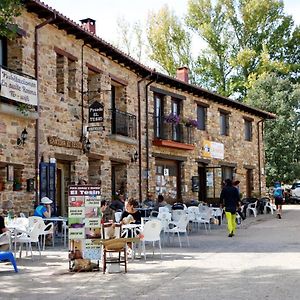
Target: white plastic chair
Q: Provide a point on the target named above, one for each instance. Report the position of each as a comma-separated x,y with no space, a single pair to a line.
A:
179,227
271,206
163,209
48,229
5,239
252,207
177,214
28,237
151,233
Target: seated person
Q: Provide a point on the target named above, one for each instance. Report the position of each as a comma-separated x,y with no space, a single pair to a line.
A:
131,215
118,203
177,205
103,209
160,202
4,242
44,209
149,202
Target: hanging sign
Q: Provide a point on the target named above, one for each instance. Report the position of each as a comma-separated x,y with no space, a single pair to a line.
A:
96,111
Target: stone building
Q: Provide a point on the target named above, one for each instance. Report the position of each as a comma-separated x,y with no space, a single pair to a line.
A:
98,116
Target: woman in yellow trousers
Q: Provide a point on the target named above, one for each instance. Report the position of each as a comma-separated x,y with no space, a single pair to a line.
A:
230,199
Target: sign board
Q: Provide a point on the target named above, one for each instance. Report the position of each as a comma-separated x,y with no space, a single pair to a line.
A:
85,222
96,111
213,150
18,88
95,128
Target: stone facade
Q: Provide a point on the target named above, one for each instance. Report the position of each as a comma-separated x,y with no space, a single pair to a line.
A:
71,76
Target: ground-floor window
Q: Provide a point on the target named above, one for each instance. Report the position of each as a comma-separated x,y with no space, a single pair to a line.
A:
167,175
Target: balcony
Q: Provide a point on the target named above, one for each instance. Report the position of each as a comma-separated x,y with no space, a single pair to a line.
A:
173,135
123,123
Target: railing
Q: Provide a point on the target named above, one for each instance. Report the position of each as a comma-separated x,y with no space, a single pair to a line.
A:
173,132
123,123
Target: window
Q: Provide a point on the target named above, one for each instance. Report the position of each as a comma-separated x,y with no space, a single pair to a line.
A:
176,110
248,130
60,77
201,117
71,78
158,115
3,52
224,123
227,173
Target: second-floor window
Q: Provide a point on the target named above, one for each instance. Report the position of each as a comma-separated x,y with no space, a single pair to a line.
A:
3,52
248,130
224,123
158,114
201,117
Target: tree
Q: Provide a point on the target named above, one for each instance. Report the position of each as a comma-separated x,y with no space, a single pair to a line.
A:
131,38
8,10
238,33
170,44
282,136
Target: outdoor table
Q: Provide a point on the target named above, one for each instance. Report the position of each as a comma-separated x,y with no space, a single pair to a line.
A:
63,220
145,211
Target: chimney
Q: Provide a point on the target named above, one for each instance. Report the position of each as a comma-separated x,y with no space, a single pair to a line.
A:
89,24
182,74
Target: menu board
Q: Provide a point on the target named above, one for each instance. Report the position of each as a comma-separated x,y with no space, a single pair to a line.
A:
85,222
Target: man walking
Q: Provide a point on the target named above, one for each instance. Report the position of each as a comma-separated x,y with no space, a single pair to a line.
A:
229,199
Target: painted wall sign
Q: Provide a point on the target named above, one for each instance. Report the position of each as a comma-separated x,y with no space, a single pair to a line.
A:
18,88
96,111
56,141
213,150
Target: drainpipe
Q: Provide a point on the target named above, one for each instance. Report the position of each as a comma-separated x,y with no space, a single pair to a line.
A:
82,96
140,134
147,134
37,122
258,156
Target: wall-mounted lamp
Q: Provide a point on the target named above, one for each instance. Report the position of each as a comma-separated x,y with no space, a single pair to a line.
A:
134,157
21,140
86,144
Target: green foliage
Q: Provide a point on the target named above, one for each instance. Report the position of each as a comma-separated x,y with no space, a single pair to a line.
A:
244,39
169,42
282,136
8,10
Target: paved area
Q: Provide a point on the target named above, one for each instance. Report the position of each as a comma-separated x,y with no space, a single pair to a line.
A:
261,262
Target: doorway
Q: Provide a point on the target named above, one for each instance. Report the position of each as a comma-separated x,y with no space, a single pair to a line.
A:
63,180
249,182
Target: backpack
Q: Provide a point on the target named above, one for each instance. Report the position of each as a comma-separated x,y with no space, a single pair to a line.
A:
278,192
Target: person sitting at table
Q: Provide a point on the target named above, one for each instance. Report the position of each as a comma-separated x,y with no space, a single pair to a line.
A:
4,242
149,202
103,208
131,216
160,202
118,203
44,209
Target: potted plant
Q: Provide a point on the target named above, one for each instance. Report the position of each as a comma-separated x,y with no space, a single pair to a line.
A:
17,186
191,123
172,119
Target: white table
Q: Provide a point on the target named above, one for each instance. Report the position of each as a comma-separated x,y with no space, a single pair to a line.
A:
63,220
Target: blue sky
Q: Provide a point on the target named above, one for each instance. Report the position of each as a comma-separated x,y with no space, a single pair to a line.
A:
106,12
